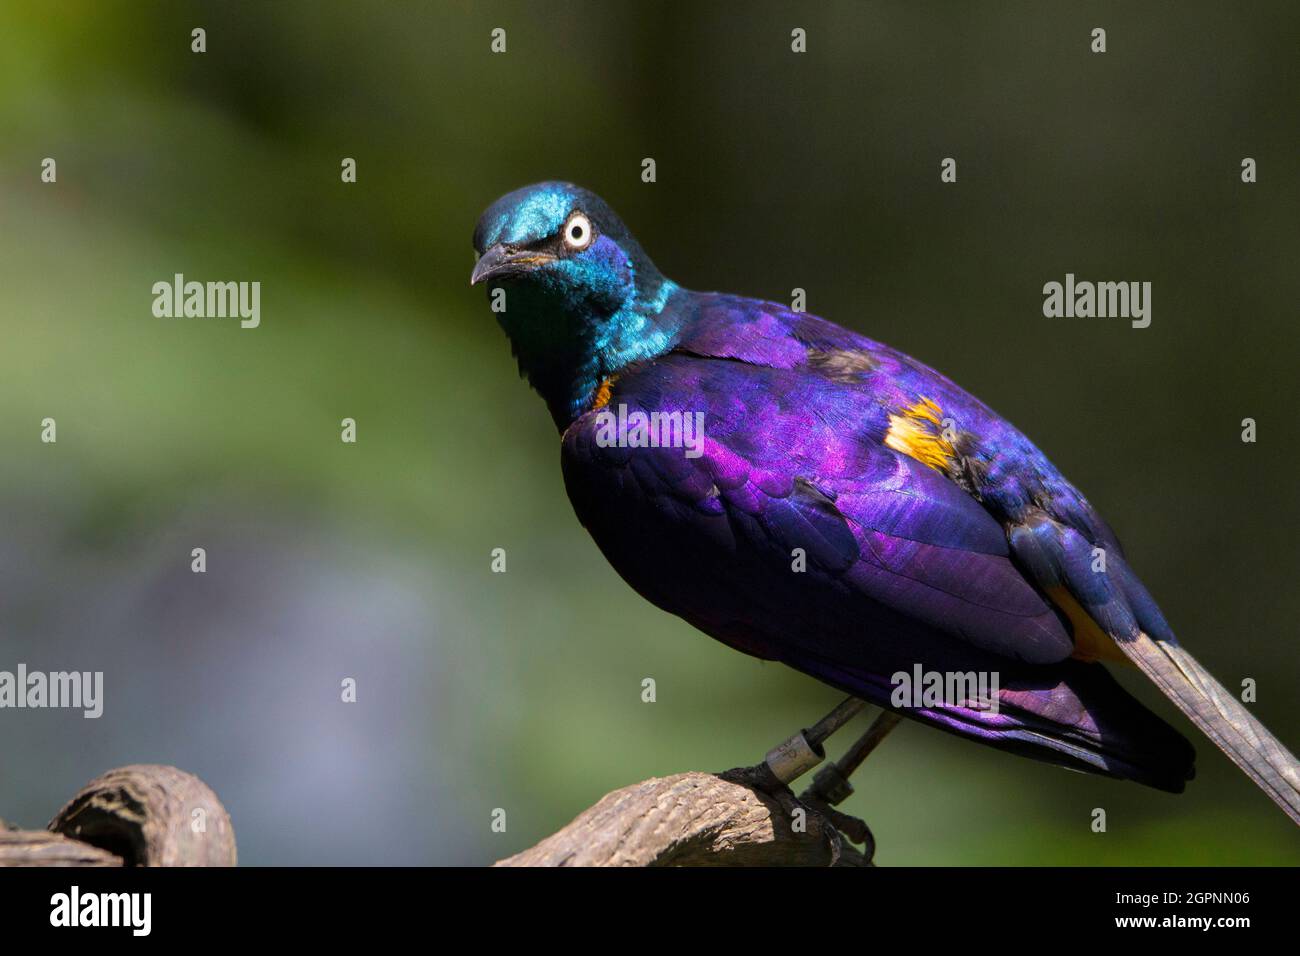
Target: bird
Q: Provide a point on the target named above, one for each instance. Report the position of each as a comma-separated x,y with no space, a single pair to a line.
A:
842,508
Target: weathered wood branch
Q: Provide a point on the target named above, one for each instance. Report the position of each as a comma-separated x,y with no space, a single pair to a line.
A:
43,848
149,815
142,815
743,817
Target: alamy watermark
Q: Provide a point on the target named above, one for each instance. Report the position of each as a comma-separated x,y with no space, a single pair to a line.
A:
129,910
638,429
208,300
920,688
79,690
1084,300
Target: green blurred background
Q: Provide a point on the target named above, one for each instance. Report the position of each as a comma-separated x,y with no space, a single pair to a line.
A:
522,691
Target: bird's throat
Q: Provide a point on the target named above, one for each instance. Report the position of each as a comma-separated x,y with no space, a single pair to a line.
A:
567,351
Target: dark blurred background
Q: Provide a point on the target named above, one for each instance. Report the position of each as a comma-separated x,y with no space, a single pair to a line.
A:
775,170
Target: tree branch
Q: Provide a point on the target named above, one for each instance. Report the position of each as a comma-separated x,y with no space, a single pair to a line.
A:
743,817
142,815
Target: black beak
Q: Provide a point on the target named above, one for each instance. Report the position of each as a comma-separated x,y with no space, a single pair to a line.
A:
501,261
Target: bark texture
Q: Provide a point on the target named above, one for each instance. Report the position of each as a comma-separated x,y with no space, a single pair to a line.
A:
142,815
737,818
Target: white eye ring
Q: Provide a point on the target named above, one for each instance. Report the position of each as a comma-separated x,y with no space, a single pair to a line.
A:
577,232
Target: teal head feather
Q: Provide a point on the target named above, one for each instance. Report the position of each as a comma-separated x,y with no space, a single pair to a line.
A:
581,299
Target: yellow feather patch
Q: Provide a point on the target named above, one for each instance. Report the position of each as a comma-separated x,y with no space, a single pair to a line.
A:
916,433
1091,643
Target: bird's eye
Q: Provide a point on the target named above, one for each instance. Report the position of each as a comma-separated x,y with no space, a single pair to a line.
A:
577,232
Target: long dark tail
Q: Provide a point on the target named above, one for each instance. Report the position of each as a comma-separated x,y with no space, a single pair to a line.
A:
1221,717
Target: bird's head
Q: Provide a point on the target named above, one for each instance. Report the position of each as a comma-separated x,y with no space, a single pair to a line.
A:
579,297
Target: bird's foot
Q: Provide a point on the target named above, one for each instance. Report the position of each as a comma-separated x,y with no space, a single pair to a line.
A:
809,814
790,760
853,828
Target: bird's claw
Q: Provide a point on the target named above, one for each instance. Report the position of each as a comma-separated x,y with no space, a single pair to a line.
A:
837,826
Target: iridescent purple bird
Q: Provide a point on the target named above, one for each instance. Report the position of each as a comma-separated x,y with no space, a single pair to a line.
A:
807,495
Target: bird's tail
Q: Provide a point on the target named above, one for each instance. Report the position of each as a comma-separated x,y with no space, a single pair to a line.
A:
1221,717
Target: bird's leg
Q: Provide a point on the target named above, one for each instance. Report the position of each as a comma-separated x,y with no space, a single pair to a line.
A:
797,755
804,750
831,784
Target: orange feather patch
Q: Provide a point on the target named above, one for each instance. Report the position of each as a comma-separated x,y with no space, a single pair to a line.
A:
603,393
1091,643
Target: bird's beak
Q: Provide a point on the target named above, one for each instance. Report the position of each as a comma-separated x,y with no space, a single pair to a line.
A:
501,261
